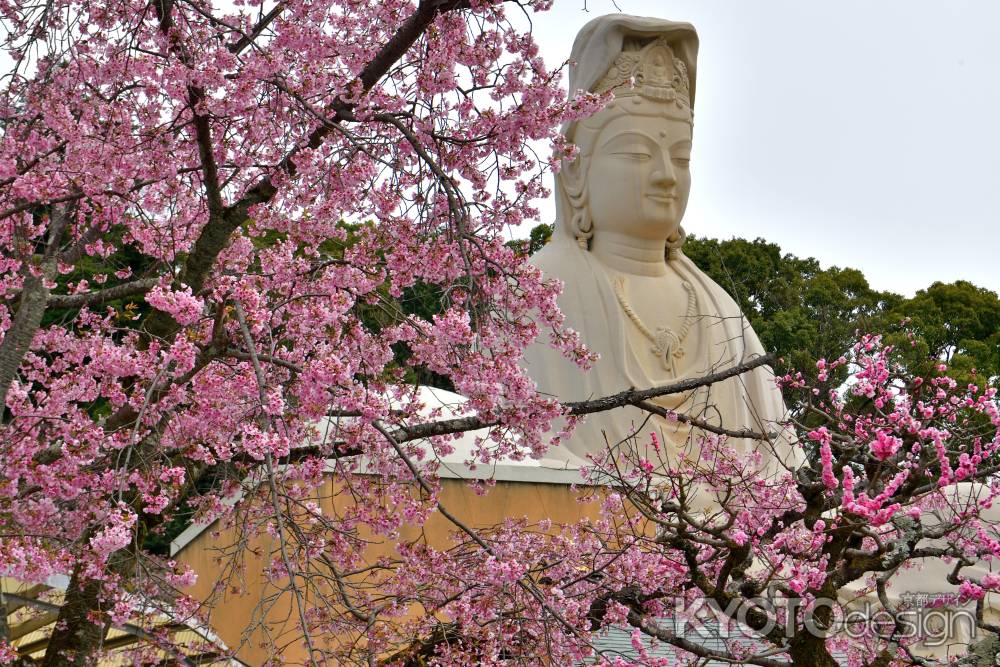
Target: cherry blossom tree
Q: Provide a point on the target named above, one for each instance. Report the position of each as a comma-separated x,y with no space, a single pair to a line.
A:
210,219
178,302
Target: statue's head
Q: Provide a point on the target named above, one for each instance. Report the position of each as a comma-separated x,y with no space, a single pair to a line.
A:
631,172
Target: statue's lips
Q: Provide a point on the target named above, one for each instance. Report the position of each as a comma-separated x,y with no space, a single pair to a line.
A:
662,198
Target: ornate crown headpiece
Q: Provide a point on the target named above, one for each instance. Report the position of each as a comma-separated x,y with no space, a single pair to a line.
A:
652,72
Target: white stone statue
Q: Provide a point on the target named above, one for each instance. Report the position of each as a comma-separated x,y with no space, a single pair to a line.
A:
636,300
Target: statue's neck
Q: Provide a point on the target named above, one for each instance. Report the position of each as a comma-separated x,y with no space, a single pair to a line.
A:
641,257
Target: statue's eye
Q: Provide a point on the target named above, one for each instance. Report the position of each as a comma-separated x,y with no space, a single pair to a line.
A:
681,161
637,155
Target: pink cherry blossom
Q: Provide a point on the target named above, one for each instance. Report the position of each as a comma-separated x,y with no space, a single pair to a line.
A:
216,222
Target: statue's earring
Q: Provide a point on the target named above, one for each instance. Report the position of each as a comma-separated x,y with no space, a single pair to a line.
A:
674,243
583,227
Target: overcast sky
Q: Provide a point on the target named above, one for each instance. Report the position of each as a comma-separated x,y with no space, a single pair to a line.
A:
865,134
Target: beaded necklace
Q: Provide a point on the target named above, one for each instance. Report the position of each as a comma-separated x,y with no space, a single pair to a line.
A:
667,343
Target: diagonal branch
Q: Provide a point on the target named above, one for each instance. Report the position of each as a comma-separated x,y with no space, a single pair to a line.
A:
340,110
300,604
701,423
248,38
665,635
634,397
524,583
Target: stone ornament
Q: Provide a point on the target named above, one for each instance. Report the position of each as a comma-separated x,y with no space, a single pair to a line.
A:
667,343
652,72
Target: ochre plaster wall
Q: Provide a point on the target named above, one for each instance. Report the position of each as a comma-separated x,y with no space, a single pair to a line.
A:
237,608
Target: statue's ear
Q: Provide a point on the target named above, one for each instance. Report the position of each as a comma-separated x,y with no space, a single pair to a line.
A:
573,177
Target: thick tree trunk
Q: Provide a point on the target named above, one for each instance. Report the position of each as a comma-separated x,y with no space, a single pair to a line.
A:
82,625
18,339
810,651
79,631
33,301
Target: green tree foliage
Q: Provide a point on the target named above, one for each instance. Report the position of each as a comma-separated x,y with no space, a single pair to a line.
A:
955,323
801,311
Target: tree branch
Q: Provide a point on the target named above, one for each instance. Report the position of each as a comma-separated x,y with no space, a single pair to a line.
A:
659,632
248,39
701,423
133,288
216,233
634,397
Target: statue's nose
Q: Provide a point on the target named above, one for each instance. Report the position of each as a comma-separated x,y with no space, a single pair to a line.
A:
663,175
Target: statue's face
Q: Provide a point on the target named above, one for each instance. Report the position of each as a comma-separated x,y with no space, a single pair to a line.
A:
638,178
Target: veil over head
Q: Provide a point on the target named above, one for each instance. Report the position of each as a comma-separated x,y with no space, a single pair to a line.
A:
595,49
600,41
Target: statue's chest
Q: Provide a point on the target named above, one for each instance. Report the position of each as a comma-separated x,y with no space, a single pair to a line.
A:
662,323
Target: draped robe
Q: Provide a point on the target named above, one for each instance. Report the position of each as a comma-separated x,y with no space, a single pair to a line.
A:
723,339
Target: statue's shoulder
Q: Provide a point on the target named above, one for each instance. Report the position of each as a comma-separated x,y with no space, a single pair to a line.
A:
558,260
719,294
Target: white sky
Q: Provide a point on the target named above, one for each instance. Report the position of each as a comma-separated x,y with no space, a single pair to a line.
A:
865,134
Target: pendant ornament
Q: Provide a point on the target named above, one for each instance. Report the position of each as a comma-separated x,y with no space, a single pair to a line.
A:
668,345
